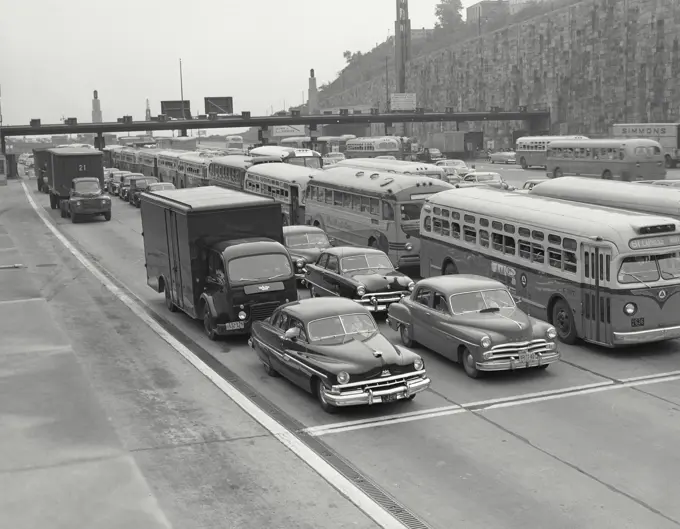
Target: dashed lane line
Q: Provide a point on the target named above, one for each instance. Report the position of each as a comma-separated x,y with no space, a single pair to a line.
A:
358,497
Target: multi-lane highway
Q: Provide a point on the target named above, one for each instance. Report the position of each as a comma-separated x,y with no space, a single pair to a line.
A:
590,442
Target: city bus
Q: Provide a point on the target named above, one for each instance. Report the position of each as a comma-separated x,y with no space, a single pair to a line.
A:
148,162
109,155
370,208
305,157
167,166
612,159
178,144
128,159
372,147
395,166
531,151
654,200
285,183
295,142
192,170
235,143
607,276
230,171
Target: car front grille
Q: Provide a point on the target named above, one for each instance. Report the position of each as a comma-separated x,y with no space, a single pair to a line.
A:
509,350
262,311
383,297
393,369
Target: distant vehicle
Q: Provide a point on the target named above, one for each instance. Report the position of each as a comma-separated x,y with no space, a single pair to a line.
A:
235,143
502,157
304,244
532,150
3,170
395,166
667,134
474,321
159,186
86,199
304,157
486,179
114,182
41,156
138,186
124,188
455,167
372,147
218,256
365,275
66,164
533,182
332,158
322,346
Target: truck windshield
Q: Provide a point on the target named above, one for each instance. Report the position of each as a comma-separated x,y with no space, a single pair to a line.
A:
265,267
87,187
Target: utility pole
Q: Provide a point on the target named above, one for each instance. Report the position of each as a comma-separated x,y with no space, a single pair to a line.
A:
387,86
181,89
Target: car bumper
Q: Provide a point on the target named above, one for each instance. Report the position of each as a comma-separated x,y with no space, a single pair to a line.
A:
380,305
651,335
510,364
232,328
362,396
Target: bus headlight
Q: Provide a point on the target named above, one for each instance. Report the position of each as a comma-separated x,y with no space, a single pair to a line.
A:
242,315
361,290
343,377
486,342
411,286
408,247
551,333
630,309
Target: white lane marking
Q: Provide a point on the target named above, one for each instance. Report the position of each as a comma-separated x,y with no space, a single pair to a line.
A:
333,426
332,476
645,377
524,396
23,300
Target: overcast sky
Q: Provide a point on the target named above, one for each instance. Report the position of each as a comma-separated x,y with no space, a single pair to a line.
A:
53,54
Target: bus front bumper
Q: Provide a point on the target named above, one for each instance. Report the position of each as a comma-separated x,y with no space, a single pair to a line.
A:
651,335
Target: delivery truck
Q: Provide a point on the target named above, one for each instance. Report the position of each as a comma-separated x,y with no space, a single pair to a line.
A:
217,255
64,164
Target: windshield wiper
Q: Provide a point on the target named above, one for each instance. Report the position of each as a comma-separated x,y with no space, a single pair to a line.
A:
636,278
277,275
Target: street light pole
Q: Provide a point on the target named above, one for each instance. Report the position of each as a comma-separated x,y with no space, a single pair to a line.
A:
181,89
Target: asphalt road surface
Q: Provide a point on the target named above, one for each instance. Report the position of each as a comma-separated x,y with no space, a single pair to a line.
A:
590,442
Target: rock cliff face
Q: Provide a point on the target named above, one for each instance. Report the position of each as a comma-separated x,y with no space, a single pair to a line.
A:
593,64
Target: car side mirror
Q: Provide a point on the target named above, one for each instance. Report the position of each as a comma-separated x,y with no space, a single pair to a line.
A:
292,334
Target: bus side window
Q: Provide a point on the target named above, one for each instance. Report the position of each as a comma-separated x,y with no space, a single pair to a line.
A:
365,205
375,206
537,253
388,211
525,249
484,238
329,196
446,228
437,226
427,224
356,202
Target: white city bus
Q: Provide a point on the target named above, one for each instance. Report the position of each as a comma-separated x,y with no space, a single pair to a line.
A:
148,162
192,170
667,134
395,166
605,275
128,159
305,157
167,166
230,171
295,142
372,147
235,143
370,208
531,151
618,159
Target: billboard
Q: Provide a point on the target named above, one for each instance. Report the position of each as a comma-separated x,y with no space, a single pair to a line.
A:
173,109
288,131
219,105
402,102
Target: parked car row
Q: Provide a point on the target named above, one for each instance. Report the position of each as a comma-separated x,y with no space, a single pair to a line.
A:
129,186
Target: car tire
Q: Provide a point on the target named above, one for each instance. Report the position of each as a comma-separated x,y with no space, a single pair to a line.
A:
325,406
523,163
62,212
209,325
405,336
563,321
270,370
168,301
543,367
74,218
107,216
468,362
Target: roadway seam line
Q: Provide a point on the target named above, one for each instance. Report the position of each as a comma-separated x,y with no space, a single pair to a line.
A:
24,300
360,499
646,377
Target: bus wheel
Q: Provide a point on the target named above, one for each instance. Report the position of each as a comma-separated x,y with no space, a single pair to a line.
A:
607,175
557,173
523,163
564,322
450,269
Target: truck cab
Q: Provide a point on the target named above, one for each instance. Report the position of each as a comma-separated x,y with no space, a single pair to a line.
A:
86,199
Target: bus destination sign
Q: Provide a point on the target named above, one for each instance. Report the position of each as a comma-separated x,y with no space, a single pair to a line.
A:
655,242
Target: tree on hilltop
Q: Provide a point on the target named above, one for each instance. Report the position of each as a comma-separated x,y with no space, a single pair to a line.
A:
448,13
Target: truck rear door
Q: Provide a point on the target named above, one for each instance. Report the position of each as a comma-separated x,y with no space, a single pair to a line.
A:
175,279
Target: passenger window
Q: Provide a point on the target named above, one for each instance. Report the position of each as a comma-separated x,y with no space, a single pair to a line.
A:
283,322
375,206
347,201
537,253
484,222
437,211
524,232
569,259
455,215
607,266
587,265
555,258
423,297
554,239
509,245
365,205
446,228
298,325
439,304
427,224
333,264
569,244
470,234
215,265
484,238
329,196
356,203
470,219
437,226
601,267
509,228
497,225
276,318
388,211
455,230
445,213
497,242
323,260
538,235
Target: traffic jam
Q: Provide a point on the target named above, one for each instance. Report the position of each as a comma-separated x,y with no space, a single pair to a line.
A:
307,254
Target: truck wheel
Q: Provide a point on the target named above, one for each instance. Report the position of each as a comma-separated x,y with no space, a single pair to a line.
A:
168,300
209,324
74,218
107,216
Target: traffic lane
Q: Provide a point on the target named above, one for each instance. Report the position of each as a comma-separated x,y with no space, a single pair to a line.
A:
668,391
158,406
625,439
464,470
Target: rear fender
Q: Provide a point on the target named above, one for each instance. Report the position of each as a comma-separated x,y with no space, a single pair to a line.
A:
205,298
399,314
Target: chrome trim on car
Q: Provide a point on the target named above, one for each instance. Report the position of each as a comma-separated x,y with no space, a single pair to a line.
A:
284,357
651,335
380,381
402,386
505,364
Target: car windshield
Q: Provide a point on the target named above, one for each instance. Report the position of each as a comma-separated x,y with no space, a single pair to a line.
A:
371,263
346,326
265,267
649,268
481,300
489,177
87,187
410,210
307,240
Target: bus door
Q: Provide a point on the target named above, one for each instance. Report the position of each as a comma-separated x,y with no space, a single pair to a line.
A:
596,294
174,265
295,215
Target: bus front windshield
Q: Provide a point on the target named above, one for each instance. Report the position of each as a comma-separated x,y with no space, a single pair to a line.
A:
313,162
649,268
410,210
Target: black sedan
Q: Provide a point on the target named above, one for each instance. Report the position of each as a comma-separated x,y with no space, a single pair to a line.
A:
365,275
304,244
333,349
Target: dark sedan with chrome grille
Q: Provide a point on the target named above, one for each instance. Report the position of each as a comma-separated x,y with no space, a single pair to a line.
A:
304,244
365,275
332,348
473,320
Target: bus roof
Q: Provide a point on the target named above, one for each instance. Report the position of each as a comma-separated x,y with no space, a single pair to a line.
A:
195,158
283,152
284,171
605,142
233,160
170,153
377,182
401,166
551,138
657,200
550,214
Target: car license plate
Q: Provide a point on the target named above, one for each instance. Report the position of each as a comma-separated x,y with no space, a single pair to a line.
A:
233,325
637,322
527,358
390,398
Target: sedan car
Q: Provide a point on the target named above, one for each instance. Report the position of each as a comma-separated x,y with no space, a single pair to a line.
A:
124,189
139,185
304,244
531,183
333,349
502,157
365,275
485,178
474,321
115,178
455,167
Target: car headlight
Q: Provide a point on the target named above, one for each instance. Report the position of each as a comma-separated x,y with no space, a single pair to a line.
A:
551,333
486,342
630,309
418,364
242,315
411,286
343,377
300,263
408,247
361,290
78,203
